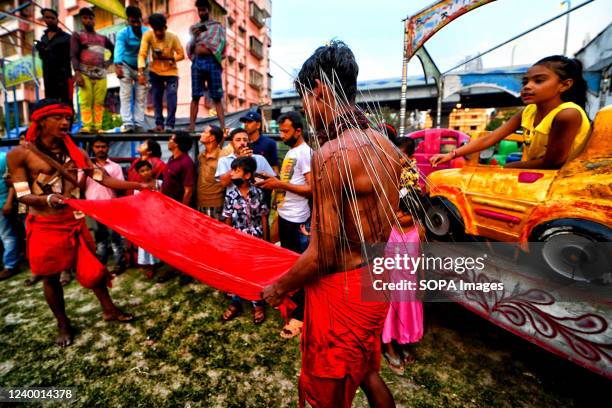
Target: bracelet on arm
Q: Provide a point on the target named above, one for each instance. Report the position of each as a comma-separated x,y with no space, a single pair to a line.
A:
49,200
453,153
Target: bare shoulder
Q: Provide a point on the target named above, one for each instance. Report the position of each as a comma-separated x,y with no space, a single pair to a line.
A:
568,116
17,154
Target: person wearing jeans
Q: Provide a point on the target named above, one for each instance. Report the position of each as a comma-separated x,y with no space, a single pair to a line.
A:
132,94
166,51
159,85
107,240
11,256
105,237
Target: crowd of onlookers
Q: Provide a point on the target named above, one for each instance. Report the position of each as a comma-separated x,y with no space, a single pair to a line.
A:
236,179
238,182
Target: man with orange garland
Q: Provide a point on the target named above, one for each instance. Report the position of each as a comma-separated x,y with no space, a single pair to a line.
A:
45,172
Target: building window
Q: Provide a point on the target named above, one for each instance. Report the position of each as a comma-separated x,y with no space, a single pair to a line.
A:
255,79
28,39
103,18
149,7
257,15
473,127
6,5
9,44
256,47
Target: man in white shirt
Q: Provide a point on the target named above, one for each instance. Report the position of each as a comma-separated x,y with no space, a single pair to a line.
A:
239,140
292,191
106,238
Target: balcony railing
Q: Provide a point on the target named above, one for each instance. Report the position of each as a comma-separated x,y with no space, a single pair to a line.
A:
255,79
256,47
257,15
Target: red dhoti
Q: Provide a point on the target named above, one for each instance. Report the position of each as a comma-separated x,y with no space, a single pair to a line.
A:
61,242
340,340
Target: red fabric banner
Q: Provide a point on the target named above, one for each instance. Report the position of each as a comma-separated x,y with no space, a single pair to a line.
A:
208,250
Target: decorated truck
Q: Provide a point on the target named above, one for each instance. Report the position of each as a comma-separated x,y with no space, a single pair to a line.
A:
565,215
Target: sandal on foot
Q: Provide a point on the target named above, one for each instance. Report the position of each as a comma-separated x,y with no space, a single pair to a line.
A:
118,317
259,314
65,278
395,364
291,329
32,280
231,312
408,359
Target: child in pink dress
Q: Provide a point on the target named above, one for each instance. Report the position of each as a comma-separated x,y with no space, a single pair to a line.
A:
404,322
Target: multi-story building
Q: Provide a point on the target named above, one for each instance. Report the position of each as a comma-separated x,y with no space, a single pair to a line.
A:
246,68
16,42
468,120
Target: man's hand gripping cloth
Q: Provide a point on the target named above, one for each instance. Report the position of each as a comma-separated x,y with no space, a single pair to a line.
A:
60,242
210,251
34,131
340,339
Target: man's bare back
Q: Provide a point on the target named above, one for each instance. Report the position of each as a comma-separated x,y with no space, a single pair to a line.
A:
359,173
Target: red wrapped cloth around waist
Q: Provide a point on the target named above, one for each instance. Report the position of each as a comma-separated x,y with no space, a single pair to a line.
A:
60,242
341,333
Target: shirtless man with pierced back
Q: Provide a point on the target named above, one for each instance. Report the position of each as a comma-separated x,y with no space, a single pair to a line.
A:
355,177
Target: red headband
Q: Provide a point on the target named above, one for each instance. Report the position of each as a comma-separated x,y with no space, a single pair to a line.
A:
56,109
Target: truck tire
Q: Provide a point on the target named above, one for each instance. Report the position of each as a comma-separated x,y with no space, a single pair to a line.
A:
577,250
443,222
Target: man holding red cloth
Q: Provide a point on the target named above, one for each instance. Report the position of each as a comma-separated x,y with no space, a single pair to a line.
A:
355,173
45,172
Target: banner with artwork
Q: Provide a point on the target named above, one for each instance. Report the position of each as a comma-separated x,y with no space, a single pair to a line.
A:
20,71
431,19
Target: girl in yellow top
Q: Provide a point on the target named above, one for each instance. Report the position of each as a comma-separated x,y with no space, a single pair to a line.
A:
554,122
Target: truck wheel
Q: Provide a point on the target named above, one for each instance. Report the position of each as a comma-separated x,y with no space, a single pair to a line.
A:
443,222
575,255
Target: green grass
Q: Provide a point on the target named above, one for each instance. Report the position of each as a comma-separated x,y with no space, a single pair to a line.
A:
178,353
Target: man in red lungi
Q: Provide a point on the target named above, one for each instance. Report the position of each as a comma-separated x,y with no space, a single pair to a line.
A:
45,172
355,176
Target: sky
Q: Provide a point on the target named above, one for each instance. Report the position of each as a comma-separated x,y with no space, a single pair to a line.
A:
374,31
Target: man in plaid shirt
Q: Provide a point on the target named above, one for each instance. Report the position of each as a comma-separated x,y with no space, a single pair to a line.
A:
206,51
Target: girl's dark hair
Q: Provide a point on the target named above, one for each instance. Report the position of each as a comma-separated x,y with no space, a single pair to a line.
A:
568,68
406,143
154,148
143,163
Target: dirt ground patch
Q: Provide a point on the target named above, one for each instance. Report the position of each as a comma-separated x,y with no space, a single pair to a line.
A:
178,353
